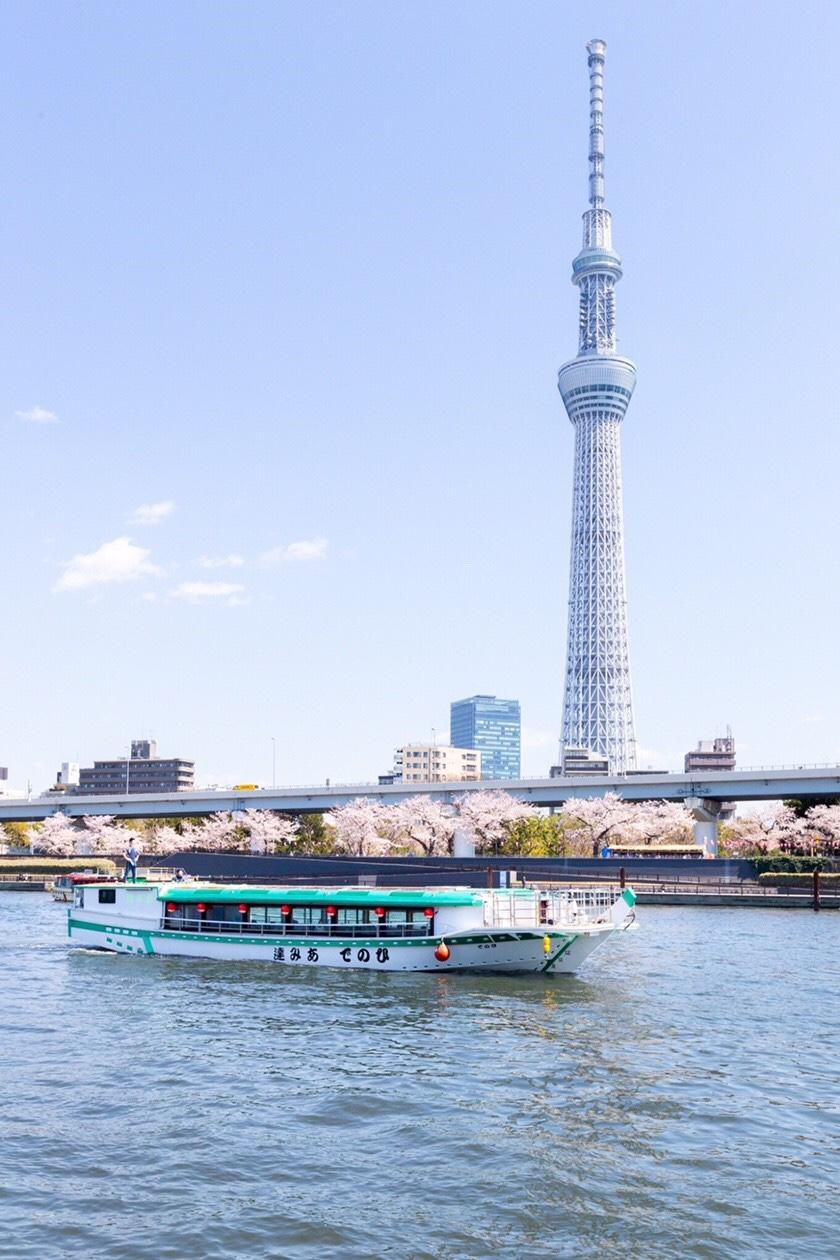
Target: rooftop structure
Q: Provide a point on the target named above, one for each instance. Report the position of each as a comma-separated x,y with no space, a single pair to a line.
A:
596,388
577,761
711,754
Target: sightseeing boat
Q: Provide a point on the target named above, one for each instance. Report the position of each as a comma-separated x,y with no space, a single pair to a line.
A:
63,886
433,929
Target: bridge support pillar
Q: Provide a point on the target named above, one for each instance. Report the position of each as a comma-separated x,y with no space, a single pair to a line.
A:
707,816
463,842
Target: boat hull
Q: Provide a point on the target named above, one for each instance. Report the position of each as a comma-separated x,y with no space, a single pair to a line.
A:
551,952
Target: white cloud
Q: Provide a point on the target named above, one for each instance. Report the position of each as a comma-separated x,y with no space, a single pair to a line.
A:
152,513
306,549
232,561
200,592
117,561
38,415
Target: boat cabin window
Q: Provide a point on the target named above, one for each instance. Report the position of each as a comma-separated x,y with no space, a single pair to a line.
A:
351,915
265,914
307,920
108,895
223,913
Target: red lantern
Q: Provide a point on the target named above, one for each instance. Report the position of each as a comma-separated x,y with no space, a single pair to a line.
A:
442,952
331,912
284,909
201,907
243,909
429,911
379,912
171,907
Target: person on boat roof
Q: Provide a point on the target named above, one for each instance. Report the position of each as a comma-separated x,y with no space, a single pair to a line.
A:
131,856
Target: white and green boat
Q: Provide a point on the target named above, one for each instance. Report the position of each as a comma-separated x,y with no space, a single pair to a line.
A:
547,930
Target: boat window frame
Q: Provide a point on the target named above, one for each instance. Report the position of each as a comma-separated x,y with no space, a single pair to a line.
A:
313,920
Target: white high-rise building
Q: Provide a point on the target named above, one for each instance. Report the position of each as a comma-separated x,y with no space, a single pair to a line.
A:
436,763
596,388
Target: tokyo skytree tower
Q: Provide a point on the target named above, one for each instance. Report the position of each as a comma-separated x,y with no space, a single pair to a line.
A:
596,388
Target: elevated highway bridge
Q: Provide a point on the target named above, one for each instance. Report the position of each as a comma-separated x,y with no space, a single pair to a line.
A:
705,794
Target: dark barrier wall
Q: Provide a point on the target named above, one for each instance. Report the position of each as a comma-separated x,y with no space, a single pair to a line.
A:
412,871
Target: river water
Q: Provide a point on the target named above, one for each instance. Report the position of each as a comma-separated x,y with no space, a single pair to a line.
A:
677,1099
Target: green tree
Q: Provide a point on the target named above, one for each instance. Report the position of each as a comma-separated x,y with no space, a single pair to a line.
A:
15,834
542,835
801,807
314,838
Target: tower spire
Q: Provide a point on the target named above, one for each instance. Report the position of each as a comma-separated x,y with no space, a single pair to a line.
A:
596,49
597,267
596,388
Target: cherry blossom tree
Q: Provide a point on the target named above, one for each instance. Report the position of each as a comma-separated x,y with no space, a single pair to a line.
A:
490,816
267,831
822,824
164,838
54,837
101,835
361,828
769,828
420,823
661,822
214,834
595,821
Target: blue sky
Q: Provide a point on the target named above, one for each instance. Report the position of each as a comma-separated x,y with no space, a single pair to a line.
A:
301,272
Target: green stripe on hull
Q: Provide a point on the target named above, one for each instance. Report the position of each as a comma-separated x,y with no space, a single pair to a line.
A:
322,942
555,957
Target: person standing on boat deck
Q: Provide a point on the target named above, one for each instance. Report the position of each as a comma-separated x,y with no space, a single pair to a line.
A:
131,856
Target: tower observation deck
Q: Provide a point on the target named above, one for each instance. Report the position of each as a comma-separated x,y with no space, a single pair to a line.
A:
596,388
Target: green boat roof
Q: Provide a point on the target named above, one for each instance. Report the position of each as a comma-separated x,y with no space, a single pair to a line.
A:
407,897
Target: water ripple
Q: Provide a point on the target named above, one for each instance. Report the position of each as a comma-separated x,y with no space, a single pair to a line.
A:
679,1098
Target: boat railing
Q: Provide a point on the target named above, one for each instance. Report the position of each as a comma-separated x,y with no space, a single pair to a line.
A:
581,905
550,907
388,931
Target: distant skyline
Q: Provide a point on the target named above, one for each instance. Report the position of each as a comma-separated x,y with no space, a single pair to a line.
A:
286,292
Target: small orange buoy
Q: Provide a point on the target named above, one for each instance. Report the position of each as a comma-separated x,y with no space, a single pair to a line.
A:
442,952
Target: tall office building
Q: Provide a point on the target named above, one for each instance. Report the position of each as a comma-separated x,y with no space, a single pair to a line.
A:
493,727
596,388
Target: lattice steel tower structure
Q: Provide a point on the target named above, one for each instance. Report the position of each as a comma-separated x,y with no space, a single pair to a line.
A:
596,388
